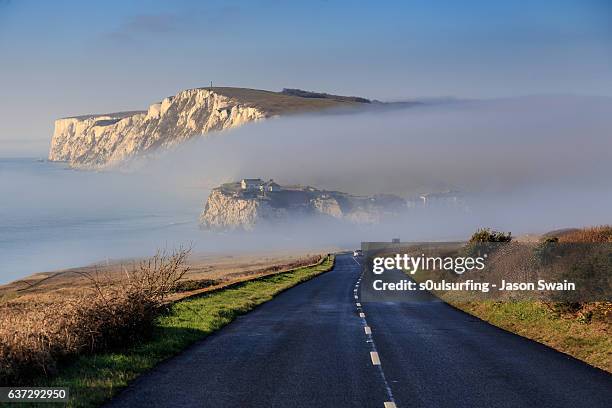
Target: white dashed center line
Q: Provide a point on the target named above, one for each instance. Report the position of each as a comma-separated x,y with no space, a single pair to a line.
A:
373,353
374,357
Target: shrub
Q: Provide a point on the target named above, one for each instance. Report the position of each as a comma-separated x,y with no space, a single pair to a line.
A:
544,251
488,235
484,241
114,313
591,274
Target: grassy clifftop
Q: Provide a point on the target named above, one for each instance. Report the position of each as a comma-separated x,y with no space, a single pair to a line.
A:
288,100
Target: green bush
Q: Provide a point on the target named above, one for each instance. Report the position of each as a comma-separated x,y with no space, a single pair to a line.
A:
488,235
484,241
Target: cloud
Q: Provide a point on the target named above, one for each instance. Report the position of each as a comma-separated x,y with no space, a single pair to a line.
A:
144,25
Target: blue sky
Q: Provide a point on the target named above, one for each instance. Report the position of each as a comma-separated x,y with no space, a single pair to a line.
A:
61,58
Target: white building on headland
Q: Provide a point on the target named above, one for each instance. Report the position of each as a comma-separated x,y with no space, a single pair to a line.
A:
446,198
270,186
251,184
259,185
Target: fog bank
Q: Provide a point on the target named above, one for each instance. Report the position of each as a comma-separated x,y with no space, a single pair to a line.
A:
524,164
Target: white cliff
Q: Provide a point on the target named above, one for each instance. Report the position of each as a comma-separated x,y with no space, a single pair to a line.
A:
225,211
230,206
98,141
104,140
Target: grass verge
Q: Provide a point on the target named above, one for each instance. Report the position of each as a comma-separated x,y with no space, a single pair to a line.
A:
581,329
590,342
93,379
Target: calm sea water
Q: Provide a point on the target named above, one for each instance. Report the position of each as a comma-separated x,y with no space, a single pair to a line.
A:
54,217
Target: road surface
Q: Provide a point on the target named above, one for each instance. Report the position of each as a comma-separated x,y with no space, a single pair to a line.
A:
311,347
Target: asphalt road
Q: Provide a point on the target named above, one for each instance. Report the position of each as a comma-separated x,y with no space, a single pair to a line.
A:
309,347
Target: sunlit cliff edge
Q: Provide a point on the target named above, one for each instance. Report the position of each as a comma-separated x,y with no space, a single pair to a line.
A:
98,141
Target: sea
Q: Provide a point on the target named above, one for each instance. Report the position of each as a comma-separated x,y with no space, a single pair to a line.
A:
54,217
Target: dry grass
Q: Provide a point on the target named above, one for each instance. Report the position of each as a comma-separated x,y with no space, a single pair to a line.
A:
111,313
203,282
205,272
586,311
598,234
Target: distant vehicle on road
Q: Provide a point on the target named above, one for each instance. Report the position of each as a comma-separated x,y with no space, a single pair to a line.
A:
358,252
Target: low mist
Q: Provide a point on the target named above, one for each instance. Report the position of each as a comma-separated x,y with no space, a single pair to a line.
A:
524,164
492,146
527,164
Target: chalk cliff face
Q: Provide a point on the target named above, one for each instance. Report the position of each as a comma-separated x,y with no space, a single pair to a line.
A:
231,207
227,211
97,141
104,140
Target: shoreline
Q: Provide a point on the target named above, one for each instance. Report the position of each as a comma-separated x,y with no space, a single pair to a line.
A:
212,268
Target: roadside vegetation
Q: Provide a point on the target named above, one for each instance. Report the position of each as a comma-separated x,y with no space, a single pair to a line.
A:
602,233
97,343
582,329
589,340
206,272
488,235
34,338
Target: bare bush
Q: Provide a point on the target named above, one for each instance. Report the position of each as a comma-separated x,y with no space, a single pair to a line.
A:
112,313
